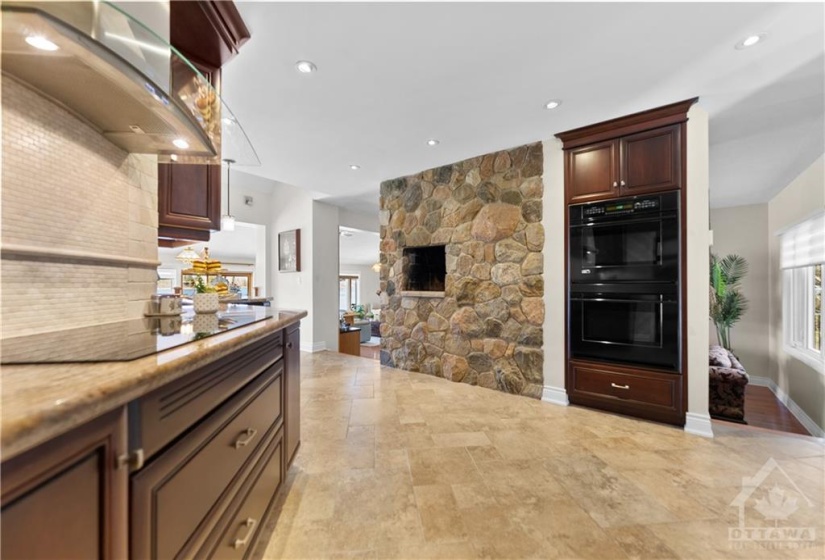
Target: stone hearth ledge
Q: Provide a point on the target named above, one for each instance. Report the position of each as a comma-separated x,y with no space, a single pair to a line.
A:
42,401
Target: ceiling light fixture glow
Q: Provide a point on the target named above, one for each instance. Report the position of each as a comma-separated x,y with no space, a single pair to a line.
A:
750,41
305,67
433,142
552,104
181,143
355,167
41,43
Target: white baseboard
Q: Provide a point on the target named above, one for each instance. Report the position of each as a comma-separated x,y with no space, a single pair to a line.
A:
314,347
698,424
555,395
783,397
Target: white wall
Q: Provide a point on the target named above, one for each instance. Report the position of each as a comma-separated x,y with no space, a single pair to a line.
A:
325,275
260,212
743,230
555,261
697,230
803,197
291,208
358,220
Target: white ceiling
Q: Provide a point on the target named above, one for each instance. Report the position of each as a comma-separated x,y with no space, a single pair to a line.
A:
476,76
358,247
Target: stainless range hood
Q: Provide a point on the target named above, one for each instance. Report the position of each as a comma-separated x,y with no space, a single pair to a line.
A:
113,73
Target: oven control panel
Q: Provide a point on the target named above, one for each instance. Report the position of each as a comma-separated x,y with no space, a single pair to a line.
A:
621,207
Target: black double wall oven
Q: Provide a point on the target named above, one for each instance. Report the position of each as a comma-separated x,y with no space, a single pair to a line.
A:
624,270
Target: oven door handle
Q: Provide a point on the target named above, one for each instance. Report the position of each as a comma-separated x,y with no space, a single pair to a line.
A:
616,300
618,220
624,300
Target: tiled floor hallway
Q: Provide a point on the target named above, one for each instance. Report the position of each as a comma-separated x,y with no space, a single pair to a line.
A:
404,465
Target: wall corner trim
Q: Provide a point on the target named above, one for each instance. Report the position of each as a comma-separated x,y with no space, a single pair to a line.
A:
314,347
794,408
698,424
555,395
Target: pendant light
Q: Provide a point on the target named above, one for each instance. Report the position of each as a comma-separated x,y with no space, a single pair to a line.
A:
228,220
187,256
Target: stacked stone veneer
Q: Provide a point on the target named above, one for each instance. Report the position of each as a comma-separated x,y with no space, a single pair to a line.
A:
77,203
486,328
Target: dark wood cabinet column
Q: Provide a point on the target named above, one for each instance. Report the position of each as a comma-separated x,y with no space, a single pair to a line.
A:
209,33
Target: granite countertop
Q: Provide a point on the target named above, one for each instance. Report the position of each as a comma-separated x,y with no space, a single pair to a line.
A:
41,401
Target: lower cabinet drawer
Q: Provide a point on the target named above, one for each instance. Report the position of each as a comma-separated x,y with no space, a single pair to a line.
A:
627,390
624,386
175,496
237,533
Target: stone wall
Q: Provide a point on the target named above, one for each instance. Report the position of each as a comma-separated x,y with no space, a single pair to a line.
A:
486,328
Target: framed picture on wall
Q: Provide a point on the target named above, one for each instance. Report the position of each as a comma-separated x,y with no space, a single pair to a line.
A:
289,251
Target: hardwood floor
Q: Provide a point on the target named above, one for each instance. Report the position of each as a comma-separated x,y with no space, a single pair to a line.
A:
372,352
764,410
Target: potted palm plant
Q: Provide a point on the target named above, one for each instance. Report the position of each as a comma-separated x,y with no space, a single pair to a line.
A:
727,304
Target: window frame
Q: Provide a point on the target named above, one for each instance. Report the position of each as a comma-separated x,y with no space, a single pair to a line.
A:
798,302
353,293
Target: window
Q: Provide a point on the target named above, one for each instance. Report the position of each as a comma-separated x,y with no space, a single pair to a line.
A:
348,292
803,255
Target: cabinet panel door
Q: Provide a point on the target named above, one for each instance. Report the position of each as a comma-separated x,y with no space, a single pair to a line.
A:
67,498
591,172
651,161
293,390
189,196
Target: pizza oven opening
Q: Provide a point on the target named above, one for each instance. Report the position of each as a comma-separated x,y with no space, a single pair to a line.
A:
426,268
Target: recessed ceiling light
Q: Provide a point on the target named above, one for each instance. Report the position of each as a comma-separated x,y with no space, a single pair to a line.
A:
181,143
355,167
305,67
41,43
552,104
432,142
750,41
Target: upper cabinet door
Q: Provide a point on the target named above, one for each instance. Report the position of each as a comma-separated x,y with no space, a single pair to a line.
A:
189,196
591,172
651,161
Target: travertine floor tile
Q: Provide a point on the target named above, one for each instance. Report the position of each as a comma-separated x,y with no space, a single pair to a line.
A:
395,464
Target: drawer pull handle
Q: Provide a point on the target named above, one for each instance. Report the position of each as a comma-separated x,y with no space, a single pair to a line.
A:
289,345
240,543
250,434
133,460
620,386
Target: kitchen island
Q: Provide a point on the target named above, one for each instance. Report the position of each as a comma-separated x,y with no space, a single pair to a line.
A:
180,452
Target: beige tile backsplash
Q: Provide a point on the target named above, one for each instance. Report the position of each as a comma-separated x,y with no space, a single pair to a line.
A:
65,187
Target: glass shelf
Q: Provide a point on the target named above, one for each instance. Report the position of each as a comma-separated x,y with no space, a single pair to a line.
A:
119,76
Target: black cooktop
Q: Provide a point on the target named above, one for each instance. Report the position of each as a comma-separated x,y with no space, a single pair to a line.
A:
127,340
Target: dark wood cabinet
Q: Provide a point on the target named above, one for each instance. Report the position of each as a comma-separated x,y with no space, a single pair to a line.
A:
208,33
68,499
640,392
638,154
215,448
292,367
197,476
189,196
632,155
640,163
592,171
174,497
651,161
